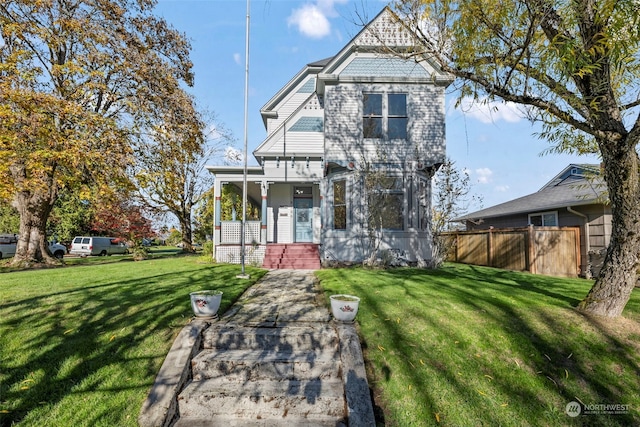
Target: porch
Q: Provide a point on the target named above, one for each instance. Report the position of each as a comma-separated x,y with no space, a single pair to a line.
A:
281,213
260,253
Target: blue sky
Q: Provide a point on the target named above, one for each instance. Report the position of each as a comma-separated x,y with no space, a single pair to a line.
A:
497,148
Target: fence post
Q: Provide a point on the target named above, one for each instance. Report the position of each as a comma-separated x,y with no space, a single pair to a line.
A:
490,254
531,265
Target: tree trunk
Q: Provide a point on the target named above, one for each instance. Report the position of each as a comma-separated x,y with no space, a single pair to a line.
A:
32,247
187,235
619,274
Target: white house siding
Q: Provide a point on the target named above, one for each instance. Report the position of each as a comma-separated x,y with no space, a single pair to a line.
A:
343,130
426,129
298,170
291,143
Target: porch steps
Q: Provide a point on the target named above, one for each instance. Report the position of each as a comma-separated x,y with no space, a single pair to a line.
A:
266,376
296,256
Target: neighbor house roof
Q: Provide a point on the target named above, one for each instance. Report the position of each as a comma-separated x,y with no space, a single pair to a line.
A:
576,185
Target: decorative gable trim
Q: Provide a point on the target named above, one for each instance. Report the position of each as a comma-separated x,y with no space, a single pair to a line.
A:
385,30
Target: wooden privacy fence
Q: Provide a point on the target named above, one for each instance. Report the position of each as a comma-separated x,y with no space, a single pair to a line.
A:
554,251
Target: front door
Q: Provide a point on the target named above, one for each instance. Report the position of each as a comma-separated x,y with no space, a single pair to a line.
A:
303,214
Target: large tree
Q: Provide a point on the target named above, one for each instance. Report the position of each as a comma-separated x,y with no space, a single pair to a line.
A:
79,79
170,163
574,67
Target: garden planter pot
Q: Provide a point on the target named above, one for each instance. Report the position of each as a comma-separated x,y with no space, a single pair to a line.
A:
344,307
205,303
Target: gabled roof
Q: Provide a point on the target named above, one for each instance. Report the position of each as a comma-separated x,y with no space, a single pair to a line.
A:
385,31
277,134
576,185
313,68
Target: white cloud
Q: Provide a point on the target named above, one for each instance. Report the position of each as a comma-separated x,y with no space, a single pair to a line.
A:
237,58
312,19
484,175
491,111
502,188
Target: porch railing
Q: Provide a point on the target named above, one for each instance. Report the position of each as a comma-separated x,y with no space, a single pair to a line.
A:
230,232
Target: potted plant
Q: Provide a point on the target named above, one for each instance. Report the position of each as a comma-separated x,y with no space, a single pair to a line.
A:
344,307
205,304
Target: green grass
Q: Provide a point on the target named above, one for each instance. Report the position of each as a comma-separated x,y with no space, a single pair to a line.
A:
473,346
81,345
155,252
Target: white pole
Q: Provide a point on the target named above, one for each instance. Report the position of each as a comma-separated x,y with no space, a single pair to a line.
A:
246,138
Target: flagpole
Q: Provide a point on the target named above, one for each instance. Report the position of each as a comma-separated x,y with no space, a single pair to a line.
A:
246,138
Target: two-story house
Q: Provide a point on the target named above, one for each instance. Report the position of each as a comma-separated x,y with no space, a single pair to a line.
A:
352,144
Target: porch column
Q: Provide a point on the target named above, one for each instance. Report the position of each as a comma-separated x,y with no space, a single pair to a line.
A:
217,191
322,189
264,188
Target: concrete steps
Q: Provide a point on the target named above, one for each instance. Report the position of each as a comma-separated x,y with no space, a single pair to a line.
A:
265,376
296,256
273,359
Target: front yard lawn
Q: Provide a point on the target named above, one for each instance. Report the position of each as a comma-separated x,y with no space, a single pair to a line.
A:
474,346
81,346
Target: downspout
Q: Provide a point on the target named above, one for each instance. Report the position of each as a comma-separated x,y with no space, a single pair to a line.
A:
587,245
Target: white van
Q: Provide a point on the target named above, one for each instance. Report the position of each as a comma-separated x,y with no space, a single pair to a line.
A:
103,246
9,242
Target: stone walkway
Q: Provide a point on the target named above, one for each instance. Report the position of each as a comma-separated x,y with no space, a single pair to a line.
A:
275,358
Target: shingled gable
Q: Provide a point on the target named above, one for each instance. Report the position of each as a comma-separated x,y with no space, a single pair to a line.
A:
576,185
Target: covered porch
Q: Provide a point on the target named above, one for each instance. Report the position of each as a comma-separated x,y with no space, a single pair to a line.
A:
282,213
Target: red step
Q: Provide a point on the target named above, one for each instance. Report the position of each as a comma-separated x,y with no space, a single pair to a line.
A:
299,256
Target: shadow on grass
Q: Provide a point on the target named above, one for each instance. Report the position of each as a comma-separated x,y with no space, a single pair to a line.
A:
91,338
518,333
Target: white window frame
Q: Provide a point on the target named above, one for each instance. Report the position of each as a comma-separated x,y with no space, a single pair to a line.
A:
385,115
542,215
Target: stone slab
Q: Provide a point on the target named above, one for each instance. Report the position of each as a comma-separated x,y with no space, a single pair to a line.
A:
292,336
258,365
267,399
289,421
160,406
354,375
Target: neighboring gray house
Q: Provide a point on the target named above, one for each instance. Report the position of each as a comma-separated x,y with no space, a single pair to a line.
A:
335,121
576,197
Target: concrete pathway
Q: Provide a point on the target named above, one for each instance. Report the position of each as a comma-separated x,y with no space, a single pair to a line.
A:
275,358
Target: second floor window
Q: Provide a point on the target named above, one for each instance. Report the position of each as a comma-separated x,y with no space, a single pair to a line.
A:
384,115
